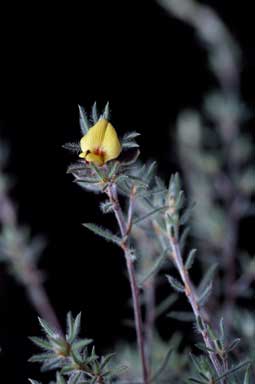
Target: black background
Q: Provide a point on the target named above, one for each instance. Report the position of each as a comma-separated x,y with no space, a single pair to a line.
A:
149,66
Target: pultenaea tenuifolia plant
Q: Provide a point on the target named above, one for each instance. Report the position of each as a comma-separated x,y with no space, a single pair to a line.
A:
153,221
161,213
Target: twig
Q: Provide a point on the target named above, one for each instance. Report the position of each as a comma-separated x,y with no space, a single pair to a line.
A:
124,229
192,298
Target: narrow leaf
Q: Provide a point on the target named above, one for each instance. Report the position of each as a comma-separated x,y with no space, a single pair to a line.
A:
207,278
41,357
149,214
203,298
106,113
47,329
155,268
162,367
175,284
233,345
42,343
166,304
105,233
233,370
60,379
106,360
81,344
72,147
84,123
190,258
95,116
247,376
76,326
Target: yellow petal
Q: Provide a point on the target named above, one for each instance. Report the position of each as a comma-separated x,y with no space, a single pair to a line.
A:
96,159
82,155
94,138
111,144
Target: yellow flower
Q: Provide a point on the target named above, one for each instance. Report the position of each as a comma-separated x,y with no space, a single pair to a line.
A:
100,144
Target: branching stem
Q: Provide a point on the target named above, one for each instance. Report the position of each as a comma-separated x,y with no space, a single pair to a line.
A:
192,298
125,229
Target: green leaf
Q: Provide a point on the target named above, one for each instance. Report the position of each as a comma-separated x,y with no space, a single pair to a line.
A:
130,136
222,331
113,169
42,343
106,360
72,147
80,344
75,378
195,362
185,217
115,372
149,214
73,326
233,345
76,325
95,115
106,206
203,348
166,304
183,238
190,259
203,298
212,334
138,181
51,364
76,356
150,172
130,144
233,370
207,279
60,379
175,284
247,376
180,201
163,366
105,233
106,113
47,329
41,357
155,268
97,171
69,321
84,123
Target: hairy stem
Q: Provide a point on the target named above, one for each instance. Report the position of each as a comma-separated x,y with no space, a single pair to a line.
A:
192,298
124,229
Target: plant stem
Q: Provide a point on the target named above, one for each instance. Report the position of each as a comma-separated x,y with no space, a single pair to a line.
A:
192,298
125,229
40,300
26,269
